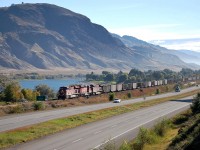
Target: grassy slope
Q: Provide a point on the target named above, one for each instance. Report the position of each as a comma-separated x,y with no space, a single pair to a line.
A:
164,142
184,135
188,135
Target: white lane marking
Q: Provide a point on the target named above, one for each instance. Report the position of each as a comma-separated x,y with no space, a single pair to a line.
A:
137,127
97,132
77,140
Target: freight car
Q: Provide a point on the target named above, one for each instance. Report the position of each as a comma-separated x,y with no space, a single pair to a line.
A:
113,88
119,87
106,88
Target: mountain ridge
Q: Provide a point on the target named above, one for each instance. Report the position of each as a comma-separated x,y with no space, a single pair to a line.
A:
188,56
45,36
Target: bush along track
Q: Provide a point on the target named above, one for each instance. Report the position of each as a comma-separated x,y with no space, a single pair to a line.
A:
28,133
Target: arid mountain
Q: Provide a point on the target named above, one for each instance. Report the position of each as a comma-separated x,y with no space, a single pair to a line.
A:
47,36
161,54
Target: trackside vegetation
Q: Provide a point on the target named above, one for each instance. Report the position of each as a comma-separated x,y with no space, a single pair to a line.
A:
28,133
111,96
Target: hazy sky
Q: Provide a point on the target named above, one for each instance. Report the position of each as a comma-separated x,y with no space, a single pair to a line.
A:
144,19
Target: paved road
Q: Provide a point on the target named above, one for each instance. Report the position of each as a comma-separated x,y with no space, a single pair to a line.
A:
118,128
20,120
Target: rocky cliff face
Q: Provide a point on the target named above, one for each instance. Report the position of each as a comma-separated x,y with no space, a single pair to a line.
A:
47,36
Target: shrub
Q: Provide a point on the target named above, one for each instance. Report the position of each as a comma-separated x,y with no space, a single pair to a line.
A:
180,119
111,96
2,97
53,105
125,146
38,105
129,95
157,91
167,88
145,136
195,106
27,106
110,145
16,109
161,128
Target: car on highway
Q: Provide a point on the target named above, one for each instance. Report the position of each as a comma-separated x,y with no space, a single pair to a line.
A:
117,100
177,89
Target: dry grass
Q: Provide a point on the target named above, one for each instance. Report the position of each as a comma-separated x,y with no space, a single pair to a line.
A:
163,142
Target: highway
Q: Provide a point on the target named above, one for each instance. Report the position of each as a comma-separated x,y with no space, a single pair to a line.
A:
117,128
19,120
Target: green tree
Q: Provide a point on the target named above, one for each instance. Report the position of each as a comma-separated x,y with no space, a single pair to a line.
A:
168,71
13,93
187,72
111,96
134,72
2,96
158,75
157,91
109,77
139,79
195,107
105,72
38,105
129,95
122,78
29,94
132,79
45,90
92,76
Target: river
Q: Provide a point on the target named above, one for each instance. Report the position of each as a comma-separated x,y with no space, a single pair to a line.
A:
52,83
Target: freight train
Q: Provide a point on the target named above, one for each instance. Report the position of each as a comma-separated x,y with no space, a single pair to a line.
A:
74,91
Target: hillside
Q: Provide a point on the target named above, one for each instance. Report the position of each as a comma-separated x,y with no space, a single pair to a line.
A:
187,48
44,36
161,54
190,56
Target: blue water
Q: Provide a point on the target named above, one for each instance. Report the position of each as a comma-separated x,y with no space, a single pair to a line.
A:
52,83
